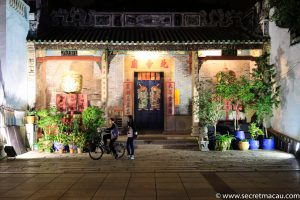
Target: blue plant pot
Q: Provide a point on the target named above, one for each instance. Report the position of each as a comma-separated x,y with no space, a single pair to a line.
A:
240,135
268,144
57,146
254,144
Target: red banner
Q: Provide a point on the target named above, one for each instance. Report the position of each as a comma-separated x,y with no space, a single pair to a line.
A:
128,98
170,90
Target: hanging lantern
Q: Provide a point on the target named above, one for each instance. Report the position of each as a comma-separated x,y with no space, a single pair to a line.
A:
72,82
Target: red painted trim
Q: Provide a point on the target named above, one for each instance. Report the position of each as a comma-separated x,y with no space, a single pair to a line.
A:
82,58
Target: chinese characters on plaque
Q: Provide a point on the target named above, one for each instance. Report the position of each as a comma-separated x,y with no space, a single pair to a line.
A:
170,89
71,102
128,98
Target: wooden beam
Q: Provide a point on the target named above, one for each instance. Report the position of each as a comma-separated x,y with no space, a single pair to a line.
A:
81,58
227,58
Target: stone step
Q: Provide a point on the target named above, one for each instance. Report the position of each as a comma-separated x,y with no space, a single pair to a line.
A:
164,141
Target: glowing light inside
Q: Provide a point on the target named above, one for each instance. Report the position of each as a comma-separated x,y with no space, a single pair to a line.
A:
72,82
249,52
297,147
214,52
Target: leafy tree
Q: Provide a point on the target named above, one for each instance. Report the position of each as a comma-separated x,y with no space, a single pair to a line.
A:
49,121
286,14
266,93
92,118
209,108
238,91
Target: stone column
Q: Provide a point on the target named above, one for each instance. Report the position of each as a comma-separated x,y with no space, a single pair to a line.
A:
104,74
195,80
31,74
41,78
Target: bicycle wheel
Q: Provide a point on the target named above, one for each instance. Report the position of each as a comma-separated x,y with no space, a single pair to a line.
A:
96,152
120,149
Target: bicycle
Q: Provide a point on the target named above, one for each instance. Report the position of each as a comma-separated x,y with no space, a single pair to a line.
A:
97,147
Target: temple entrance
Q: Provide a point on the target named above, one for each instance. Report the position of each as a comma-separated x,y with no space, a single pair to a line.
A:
148,100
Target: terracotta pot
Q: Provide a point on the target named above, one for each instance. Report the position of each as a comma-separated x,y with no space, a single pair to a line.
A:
61,150
30,119
71,150
244,145
79,150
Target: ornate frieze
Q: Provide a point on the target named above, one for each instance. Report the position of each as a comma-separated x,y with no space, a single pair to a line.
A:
80,17
149,46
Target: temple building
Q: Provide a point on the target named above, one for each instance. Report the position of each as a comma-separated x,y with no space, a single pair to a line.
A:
145,64
132,59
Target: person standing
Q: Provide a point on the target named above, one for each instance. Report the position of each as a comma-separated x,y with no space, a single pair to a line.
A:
130,137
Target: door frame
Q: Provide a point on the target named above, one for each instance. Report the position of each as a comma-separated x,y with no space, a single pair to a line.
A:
162,97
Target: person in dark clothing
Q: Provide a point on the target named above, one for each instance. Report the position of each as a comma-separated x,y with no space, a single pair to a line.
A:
112,136
130,133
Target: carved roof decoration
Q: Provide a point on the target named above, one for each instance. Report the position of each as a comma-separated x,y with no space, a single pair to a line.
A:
148,31
81,18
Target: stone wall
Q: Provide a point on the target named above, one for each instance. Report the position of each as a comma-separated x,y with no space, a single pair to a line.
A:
50,74
115,84
210,68
13,53
183,83
287,61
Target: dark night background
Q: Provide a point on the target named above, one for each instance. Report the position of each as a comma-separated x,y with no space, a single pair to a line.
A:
152,5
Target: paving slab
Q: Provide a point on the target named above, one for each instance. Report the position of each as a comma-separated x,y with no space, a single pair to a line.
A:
156,174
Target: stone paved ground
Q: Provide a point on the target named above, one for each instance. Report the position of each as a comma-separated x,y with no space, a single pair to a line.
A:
156,173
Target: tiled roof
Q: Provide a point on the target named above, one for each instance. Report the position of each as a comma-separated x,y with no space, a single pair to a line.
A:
145,35
187,37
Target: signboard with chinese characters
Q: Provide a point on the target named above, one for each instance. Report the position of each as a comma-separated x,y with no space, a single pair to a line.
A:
128,98
170,92
71,102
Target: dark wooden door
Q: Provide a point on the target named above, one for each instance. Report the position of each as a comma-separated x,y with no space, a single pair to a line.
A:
148,100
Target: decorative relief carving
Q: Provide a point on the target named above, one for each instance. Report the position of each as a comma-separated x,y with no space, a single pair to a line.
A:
192,20
102,20
148,20
79,17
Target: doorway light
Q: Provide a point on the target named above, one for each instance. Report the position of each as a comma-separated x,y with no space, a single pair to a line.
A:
212,52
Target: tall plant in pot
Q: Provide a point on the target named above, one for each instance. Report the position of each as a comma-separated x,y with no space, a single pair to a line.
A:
254,132
266,94
209,110
92,118
235,90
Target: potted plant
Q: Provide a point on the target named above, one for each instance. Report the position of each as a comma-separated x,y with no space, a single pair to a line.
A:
45,143
223,142
49,121
237,91
61,140
30,116
244,144
266,95
72,140
209,111
80,142
254,133
92,118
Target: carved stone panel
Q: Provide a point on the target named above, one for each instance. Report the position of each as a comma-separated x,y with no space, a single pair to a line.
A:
102,20
148,20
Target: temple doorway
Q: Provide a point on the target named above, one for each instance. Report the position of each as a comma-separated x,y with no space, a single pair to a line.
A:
148,100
